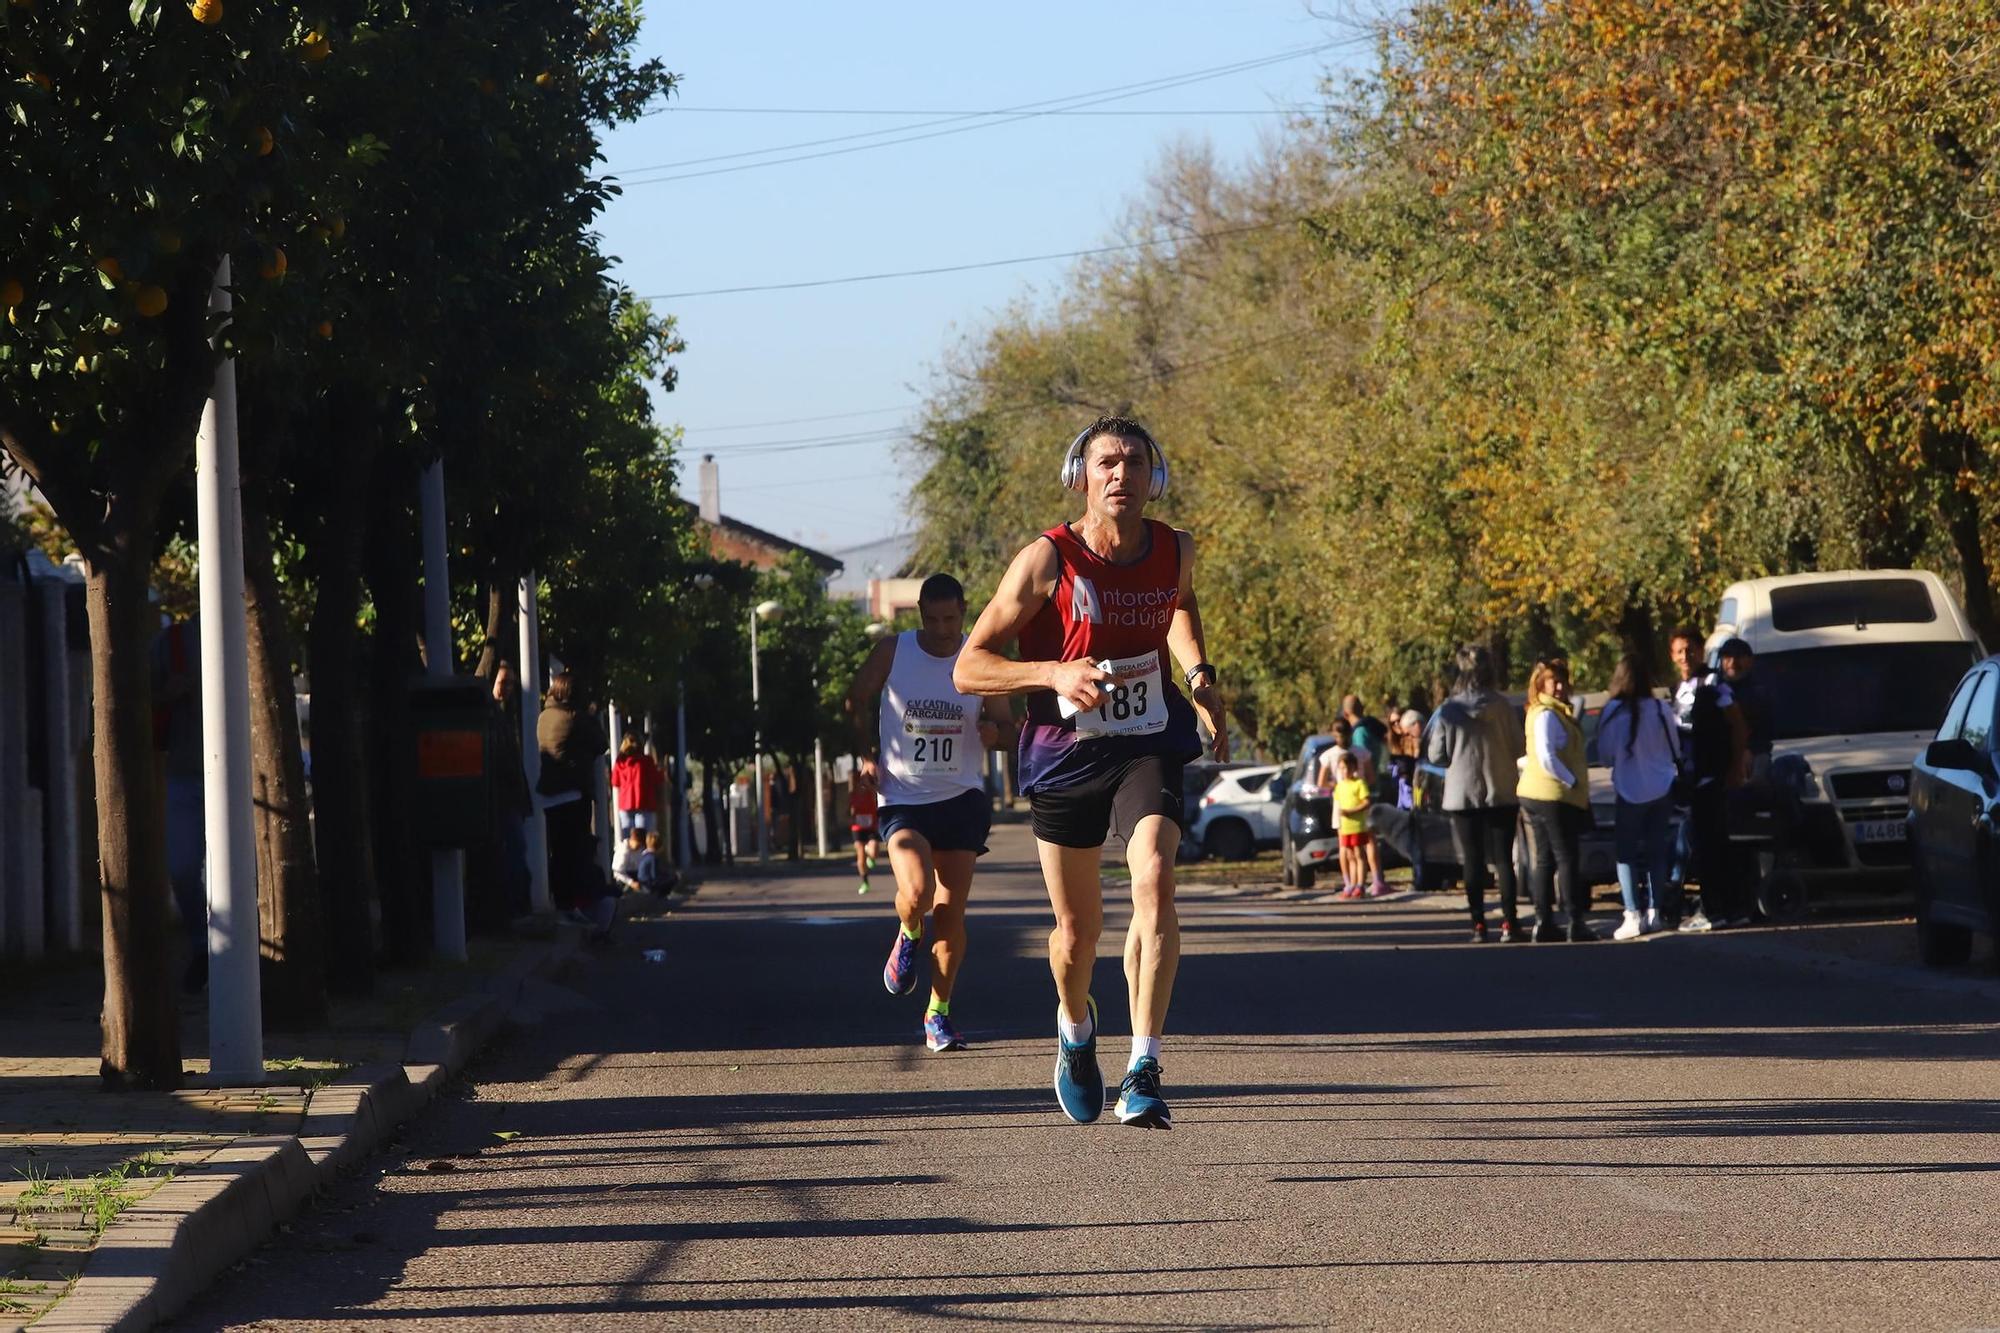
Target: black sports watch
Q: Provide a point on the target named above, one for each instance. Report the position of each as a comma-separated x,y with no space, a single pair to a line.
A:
1197,669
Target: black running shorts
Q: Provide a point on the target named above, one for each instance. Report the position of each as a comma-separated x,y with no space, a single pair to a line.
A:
1114,801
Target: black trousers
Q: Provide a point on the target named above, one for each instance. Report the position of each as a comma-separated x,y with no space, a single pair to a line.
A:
1554,830
1485,837
574,880
1714,865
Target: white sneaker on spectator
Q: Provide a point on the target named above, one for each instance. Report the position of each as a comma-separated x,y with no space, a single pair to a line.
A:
1696,925
1631,928
1652,920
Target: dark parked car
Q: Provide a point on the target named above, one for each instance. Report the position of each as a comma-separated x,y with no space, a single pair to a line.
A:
1307,837
1954,805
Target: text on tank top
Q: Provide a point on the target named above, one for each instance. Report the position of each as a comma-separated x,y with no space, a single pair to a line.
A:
929,732
1116,613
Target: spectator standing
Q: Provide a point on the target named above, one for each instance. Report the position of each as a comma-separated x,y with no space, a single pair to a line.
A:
1554,789
1714,739
571,745
1370,734
1638,736
637,780
1476,741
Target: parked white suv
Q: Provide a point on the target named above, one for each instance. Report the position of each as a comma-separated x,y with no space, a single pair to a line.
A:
1240,811
1856,668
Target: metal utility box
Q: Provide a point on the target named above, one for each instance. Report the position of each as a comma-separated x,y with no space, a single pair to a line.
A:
450,720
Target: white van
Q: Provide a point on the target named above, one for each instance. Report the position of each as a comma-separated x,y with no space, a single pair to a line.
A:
1857,667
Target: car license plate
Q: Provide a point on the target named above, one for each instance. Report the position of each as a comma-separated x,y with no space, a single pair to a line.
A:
1881,830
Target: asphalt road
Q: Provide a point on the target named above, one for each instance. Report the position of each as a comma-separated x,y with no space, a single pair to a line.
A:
1376,1126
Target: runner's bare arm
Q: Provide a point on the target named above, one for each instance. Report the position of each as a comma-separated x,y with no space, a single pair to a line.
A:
1024,590
1184,639
864,702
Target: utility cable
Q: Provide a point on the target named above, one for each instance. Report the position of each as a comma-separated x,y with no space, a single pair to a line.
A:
1027,111
965,268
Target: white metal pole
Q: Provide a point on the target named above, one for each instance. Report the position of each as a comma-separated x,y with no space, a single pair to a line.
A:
534,825
819,795
683,836
757,753
608,841
447,863
235,1000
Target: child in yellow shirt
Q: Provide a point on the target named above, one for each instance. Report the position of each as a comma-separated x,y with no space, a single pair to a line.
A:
1360,862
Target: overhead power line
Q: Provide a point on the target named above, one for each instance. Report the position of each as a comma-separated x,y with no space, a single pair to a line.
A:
964,268
981,120
799,421
895,435
936,111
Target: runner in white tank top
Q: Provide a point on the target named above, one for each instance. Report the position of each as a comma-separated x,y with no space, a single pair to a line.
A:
923,746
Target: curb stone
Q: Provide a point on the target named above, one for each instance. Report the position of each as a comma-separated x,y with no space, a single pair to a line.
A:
163,1251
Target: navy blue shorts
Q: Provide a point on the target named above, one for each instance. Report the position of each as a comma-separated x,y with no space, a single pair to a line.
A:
957,825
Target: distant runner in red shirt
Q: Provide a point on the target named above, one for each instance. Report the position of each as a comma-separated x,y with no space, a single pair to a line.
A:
1098,606
861,800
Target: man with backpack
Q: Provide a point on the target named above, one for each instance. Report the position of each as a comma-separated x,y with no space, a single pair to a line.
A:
1714,740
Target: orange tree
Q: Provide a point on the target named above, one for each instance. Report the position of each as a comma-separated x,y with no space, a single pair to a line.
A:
105,360
454,304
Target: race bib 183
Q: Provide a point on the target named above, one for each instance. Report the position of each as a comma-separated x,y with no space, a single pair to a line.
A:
1135,706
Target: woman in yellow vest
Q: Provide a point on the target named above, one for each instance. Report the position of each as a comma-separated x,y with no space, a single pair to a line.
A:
1555,799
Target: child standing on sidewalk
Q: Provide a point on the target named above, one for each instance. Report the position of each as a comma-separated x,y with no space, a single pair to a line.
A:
637,781
1360,863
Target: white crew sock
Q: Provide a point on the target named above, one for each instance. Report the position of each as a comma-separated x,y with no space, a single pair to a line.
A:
1142,1048
1074,1033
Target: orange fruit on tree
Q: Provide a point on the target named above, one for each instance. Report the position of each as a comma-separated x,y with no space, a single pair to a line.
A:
338,226
83,365
274,264
167,242
11,292
324,328
488,87
208,12
316,47
150,301
40,80
545,80
111,268
261,140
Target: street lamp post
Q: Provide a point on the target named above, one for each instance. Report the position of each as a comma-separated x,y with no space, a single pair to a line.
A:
762,611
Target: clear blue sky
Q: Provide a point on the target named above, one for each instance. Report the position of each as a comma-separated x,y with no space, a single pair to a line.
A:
1036,186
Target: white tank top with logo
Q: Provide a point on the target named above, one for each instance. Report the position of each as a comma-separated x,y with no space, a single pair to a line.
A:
929,731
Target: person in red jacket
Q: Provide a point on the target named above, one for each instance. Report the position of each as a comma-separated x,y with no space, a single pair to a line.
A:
637,781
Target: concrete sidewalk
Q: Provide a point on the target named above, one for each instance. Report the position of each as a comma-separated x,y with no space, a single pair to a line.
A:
115,1208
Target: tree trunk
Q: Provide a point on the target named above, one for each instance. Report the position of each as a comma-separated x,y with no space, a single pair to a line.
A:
142,1046
292,924
499,627
340,770
1960,510
402,865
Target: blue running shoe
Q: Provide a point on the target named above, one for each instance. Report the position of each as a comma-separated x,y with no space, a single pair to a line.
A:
1139,1100
940,1035
1079,1084
900,973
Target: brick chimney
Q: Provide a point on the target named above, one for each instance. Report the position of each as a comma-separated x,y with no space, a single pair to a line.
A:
711,490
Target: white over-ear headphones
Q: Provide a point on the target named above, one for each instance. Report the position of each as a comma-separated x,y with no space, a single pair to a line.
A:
1072,465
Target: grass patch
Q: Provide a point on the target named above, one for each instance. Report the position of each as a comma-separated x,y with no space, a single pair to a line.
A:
12,1291
101,1197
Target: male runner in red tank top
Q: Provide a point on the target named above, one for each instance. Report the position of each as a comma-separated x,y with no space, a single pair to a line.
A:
1097,606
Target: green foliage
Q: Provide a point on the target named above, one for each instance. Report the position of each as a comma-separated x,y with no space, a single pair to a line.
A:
1561,319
